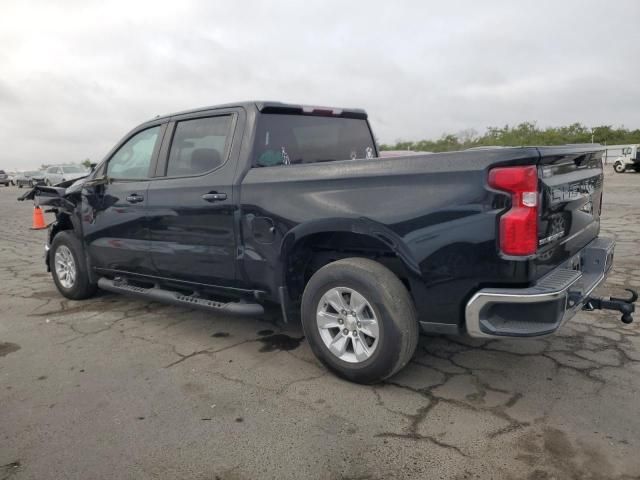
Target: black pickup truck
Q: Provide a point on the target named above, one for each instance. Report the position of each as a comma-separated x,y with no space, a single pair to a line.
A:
232,207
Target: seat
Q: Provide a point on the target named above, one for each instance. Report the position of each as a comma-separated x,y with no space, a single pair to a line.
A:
205,159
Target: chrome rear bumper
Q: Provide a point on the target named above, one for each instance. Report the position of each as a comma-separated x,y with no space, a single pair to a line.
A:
544,307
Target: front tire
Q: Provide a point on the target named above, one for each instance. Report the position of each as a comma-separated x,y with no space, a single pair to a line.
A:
68,267
359,320
618,167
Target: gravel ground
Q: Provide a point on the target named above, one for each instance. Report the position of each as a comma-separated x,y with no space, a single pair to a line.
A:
118,388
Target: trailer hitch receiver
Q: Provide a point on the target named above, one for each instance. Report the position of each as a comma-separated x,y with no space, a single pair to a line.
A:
626,306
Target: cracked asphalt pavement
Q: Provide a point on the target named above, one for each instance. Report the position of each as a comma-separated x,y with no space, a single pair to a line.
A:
119,388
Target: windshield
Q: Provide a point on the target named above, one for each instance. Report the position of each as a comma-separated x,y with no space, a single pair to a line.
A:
283,139
32,173
73,169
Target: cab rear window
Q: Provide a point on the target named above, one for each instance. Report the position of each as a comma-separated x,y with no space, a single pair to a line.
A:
285,139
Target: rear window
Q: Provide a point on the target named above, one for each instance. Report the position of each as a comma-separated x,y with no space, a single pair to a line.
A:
1,172
295,139
73,169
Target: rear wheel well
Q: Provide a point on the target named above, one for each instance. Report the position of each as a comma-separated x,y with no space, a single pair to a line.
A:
319,249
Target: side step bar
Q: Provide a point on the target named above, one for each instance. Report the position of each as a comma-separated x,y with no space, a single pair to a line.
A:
180,299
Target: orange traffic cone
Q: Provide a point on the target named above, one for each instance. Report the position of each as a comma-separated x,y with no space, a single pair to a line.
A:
38,219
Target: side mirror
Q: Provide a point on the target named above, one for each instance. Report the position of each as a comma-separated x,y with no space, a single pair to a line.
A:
95,182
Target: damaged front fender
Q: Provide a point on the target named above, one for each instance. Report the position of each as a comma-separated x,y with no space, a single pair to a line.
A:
63,196
55,197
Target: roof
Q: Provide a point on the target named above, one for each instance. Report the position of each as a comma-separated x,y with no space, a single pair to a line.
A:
277,107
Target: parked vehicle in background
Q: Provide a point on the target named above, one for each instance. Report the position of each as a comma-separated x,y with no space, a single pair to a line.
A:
629,160
29,179
61,173
12,176
229,208
4,178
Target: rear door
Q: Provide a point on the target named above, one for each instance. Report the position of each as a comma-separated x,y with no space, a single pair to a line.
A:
114,219
191,201
571,201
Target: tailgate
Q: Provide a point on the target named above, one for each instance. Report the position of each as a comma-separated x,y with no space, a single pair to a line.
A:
571,179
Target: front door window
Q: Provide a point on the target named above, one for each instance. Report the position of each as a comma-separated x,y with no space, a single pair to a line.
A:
133,159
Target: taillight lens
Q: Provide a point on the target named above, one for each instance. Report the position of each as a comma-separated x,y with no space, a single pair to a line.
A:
518,226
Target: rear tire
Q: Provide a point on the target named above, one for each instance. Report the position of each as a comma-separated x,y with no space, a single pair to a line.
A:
618,167
356,355
69,268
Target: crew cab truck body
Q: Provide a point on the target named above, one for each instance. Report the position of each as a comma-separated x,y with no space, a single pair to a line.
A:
232,207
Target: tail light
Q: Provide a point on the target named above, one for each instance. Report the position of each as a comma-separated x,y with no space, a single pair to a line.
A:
518,226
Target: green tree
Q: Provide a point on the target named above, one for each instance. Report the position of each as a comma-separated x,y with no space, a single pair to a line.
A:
522,134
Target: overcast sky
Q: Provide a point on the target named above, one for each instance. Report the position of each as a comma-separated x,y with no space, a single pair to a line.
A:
75,76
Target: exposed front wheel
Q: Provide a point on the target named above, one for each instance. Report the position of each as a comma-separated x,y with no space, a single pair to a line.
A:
68,267
618,167
359,320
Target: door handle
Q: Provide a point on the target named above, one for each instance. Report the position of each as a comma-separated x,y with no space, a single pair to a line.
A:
214,197
135,198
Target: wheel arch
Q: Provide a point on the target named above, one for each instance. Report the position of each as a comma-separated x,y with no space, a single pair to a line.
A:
65,222
322,240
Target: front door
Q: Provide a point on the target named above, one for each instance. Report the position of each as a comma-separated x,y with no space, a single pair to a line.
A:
191,208
114,222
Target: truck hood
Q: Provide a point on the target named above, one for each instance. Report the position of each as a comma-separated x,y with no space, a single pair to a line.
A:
64,195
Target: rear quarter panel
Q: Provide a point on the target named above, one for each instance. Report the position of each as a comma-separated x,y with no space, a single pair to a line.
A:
436,208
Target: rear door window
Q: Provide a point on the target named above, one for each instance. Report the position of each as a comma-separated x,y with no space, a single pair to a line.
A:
199,145
283,139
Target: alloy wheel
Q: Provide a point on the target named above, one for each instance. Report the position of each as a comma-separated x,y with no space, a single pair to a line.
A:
348,324
65,266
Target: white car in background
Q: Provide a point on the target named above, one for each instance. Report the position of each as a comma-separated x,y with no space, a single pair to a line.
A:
12,176
61,173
